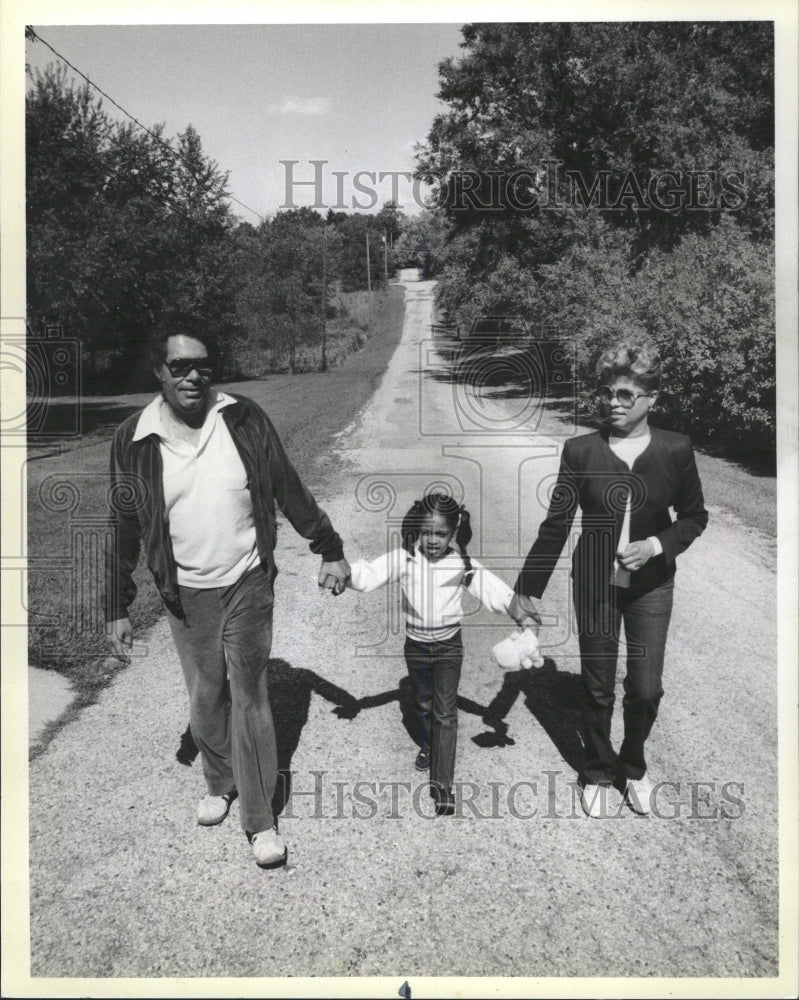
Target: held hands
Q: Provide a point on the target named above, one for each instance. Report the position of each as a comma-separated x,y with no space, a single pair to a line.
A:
334,575
119,636
636,555
524,612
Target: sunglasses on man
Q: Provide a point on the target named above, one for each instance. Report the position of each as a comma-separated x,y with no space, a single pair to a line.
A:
181,367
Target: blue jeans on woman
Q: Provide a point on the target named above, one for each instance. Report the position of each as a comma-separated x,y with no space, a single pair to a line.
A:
646,623
434,669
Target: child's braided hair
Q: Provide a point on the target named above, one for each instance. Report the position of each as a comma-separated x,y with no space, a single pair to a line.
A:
457,517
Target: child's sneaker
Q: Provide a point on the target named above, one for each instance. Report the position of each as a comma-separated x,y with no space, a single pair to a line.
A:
423,759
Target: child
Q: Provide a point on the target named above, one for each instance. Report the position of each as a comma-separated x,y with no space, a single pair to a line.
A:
433,569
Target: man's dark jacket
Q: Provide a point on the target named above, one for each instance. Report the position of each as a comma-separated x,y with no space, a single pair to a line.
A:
594,478
139,517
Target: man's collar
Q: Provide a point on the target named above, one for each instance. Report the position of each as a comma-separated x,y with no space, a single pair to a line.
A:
150,420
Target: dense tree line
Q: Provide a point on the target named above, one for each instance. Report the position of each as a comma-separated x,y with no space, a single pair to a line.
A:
125,225
602,178
121,225
592,178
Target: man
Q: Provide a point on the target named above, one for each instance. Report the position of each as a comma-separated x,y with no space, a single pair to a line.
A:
195,476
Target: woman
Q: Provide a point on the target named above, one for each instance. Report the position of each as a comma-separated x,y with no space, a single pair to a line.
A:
624,478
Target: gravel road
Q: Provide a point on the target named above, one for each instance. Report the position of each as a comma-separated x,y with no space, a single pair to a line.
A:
123,883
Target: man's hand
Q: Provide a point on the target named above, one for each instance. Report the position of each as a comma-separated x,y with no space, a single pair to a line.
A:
119,636
524,612
334,575
636,554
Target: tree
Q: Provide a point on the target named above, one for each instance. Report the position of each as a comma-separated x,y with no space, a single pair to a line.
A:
631,100
351,266
422,242
122,225
551,165
390,220
281,298
66,143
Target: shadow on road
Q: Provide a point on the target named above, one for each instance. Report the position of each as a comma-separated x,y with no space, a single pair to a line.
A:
503,370
290,690
402,694
553,697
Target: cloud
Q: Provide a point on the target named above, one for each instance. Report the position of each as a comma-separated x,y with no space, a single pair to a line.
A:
300,106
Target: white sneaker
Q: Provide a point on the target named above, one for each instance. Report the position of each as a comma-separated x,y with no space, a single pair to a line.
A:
594,800
639,795
269,848
213,808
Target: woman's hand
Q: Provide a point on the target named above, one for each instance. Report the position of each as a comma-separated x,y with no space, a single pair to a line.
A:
524,612
636,555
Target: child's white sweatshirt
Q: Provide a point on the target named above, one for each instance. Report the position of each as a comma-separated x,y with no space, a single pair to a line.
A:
431,591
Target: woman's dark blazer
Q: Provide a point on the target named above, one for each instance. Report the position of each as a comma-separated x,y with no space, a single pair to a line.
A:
592,477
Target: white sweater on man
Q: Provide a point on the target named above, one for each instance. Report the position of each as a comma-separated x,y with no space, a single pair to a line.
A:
432,592
206,498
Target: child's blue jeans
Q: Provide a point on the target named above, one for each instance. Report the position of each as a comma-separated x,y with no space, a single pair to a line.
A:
434,669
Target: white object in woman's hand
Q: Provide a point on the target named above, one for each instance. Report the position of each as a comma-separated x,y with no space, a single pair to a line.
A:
519,650
636,555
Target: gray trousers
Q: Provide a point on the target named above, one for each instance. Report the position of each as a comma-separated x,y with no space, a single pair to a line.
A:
224,645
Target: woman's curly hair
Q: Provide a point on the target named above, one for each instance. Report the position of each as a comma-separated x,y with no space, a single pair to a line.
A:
635,357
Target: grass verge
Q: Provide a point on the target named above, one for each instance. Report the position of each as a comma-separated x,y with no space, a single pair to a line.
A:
744,489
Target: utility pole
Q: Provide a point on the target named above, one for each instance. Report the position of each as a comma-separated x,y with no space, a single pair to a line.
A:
385,253
292,304
324,299
368,274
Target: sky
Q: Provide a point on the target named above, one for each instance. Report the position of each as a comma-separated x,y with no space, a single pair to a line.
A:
358,96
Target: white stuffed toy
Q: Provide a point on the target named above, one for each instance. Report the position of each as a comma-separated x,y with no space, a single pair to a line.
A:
520,649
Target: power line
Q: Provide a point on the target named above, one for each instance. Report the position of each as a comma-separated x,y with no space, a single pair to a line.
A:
108,170
169,202
29,32
166,200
